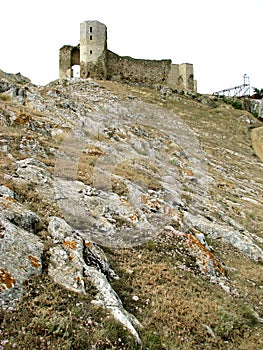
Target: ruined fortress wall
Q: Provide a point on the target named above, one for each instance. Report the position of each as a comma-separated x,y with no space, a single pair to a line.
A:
65,65
97,62
173,76
68,57
127,69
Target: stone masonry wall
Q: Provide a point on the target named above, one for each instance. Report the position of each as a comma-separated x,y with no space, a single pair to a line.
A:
127,69
68,57
65,61
173,76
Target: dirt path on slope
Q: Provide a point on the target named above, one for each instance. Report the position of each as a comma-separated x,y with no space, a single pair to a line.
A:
257,141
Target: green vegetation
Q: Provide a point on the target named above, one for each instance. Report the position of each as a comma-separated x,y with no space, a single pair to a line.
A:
258,92
234,102
5,97
255,114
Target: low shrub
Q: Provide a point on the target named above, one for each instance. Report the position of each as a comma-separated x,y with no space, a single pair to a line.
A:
5,97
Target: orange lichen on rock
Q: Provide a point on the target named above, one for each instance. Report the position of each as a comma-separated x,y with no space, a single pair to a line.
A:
70,244
125,202
152,203
175,214
79,280
88,244
22,119
71,257
134,217
6,280
94,151
155,204
188,172
34,261
194,243
8,185
7,203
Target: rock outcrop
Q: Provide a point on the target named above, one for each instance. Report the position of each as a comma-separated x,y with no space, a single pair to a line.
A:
73,260
21,249
87,167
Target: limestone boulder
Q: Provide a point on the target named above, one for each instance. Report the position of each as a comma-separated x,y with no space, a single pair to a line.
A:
4,85
32,170
20,248
73,260
240,239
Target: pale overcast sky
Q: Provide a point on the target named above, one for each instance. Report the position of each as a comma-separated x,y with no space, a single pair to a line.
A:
222,38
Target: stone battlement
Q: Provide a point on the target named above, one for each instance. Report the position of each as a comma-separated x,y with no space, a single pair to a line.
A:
96,61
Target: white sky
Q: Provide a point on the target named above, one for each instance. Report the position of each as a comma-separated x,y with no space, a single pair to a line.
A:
222,38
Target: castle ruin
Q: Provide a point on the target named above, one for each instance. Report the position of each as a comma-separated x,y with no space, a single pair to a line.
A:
96,61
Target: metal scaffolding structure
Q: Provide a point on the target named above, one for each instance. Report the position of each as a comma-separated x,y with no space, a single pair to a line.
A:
236,91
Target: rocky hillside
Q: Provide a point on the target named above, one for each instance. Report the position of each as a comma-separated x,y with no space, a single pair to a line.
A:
130,218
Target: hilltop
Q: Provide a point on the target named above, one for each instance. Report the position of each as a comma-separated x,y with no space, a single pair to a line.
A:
131,217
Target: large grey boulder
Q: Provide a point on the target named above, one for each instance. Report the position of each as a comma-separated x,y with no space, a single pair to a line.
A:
20,249
240,239
73,260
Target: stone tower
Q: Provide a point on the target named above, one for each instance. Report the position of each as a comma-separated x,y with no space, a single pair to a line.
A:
93,50
186,76
90,54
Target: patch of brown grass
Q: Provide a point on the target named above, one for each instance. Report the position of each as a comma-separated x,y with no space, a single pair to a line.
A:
139,172
245,274
50,317
178,309
27,194
7,166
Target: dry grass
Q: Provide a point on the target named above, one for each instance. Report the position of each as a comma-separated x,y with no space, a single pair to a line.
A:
27,193
86,165
139,172
6,167
180,310
49,317
245,274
